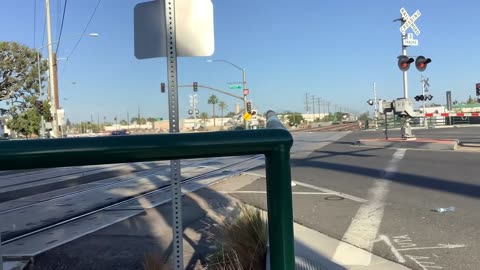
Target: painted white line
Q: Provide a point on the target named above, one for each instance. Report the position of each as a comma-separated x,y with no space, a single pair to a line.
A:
264,192
333,192
394,250
324,190
363,229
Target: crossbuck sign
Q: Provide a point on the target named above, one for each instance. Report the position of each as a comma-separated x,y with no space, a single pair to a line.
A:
409,21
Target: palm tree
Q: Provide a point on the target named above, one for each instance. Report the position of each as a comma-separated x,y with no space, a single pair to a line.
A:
204,117
213,100
223,106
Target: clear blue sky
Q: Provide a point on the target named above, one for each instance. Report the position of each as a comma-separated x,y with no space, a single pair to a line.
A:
334,49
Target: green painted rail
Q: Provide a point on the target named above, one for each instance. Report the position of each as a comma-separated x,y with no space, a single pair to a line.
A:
274,142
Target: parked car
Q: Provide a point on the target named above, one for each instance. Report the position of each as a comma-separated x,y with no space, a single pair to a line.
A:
120,132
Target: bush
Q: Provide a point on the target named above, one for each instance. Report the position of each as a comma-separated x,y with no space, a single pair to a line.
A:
243,244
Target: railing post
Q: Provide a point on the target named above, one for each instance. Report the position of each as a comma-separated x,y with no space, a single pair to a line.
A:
280,213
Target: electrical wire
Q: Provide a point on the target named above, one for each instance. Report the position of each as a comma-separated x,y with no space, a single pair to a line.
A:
85,29
61,26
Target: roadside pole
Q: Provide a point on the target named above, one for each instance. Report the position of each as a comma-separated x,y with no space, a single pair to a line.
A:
406,128
375,105
175,171
42,120
245,93
423,102
51,64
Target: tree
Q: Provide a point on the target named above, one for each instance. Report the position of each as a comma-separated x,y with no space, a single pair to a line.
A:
364,116
133,120
68,123
152,120
223,106
295,118
19,76
204,117
123,122
27,121
230,114
471,100
213,100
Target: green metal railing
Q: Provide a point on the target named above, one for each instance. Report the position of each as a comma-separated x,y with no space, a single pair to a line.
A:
274,142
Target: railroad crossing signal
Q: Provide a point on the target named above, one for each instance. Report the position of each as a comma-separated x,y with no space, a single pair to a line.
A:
423,97
422,62
404,62
409,22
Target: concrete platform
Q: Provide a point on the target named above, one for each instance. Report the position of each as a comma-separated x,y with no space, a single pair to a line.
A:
417,143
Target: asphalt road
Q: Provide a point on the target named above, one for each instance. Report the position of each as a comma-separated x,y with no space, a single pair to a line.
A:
401,187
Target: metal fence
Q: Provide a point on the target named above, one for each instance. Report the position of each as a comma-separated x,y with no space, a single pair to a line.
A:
274,142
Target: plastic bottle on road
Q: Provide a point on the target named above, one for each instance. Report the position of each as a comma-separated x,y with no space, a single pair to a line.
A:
442,209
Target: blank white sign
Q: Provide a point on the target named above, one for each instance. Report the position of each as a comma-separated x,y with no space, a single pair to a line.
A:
194,28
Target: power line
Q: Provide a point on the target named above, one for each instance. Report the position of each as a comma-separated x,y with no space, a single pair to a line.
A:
61,26
85,29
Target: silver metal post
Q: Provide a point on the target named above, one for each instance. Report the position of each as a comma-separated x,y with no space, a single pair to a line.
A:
244,80
375,105
51,78
405,78
194,99
42,120
175,170
423,102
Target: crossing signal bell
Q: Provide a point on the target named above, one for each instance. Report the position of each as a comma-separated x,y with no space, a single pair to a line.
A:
162,87
423,97
421,63
249,107
195,86
404,62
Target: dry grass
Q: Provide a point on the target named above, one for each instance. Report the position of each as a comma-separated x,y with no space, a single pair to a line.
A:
243,242
155,262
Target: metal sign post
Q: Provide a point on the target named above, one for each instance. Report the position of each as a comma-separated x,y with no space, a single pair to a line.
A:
407,22
173,116
158,34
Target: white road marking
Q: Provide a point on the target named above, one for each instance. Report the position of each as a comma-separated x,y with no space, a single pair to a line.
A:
364,227
422,264
264,192
333,192
323,190
394,250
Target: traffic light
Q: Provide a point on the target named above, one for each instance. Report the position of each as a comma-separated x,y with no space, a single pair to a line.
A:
39,105
422,62
404,62
249,107
477,87
162,87
195,86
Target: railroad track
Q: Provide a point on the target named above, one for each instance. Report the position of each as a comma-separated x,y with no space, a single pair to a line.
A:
22,238
339,127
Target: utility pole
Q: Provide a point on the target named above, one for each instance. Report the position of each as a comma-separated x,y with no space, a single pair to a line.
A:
313,107
128,121
307,108
51,73
375,105
319,108
244,81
